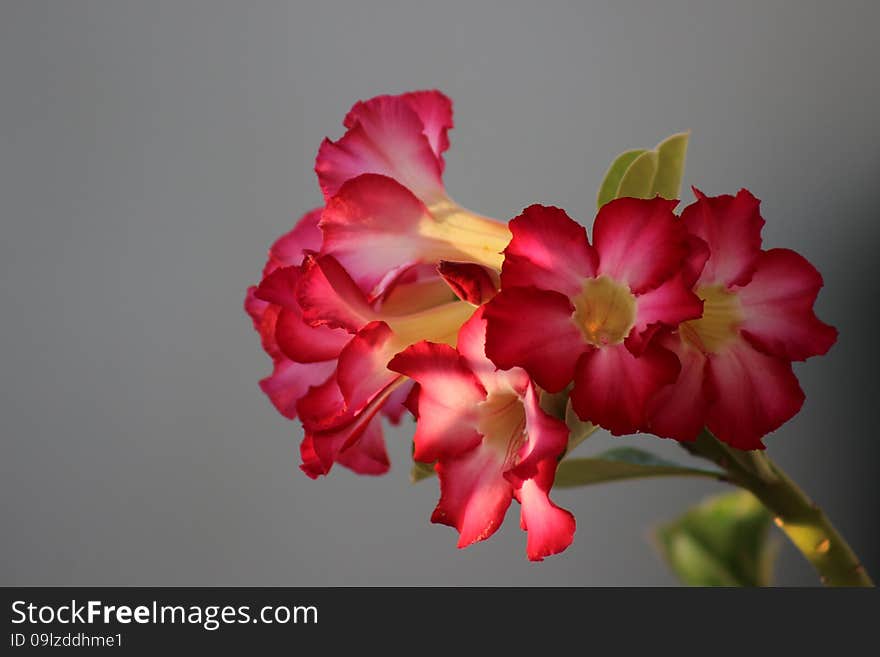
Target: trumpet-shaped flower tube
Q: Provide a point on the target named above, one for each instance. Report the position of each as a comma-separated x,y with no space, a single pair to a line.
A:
490,440
736,375
570,311
387,208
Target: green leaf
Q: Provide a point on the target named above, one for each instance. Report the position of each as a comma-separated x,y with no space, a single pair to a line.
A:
644,173
420,471
638,179
721,542
608,190
622,463
672,152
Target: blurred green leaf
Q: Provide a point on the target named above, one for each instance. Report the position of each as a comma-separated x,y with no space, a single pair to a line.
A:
647,173
608,190
638,179
721,542
622,463
672,152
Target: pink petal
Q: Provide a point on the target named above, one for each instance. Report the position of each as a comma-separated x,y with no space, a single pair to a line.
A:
330,443
368,455
305,343
640,242
323,406
612,386
669,304
371,227
731,227
550,529
288,249
678,410
264,317
754,394
362,373
396,405
311,464
435,111
549,250
290,381
474,495
546,438
415,288
298,340
328,296
533,329
778,307
469,281
385,136
447,403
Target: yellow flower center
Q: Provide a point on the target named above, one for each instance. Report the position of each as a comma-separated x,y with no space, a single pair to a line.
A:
605,311
502,421
720,322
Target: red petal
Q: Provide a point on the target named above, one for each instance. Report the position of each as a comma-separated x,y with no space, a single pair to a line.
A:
264,317
533,329
640,242
550,529
323,406
670,304
290,381
546,438
330,443
416,288
679,410
778,307
612,386
368,455
469,281
731,227
435,111
311,464
474,495
362,373
296,339
549,250
328,296
447,403
288,249
754,395
371,227
396,405
385,136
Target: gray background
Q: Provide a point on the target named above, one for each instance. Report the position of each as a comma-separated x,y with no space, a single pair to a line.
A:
151,151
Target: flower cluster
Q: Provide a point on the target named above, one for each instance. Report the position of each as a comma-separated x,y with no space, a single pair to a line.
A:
392,299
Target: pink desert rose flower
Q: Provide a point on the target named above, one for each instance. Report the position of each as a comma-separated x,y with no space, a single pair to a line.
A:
736,375
490,440
303,356
387,209
570,311
335,414
388,219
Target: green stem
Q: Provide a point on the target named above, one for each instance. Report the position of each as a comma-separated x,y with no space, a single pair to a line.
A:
805,524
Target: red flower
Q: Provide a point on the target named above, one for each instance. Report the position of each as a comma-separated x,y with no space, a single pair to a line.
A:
387,209
303,356
572,311
490,440
335,414
736,375
339,299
